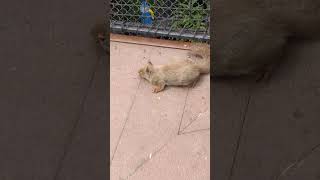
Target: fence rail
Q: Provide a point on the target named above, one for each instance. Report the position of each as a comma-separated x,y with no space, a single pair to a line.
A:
172,19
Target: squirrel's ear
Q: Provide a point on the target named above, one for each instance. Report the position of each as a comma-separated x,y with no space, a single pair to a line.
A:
149,69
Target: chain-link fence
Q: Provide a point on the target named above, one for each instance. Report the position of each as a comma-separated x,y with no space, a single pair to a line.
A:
172,19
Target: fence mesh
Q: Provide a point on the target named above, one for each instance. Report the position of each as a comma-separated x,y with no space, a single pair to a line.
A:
171,19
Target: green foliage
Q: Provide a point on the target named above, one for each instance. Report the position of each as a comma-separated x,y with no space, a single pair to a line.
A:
189,14
127,11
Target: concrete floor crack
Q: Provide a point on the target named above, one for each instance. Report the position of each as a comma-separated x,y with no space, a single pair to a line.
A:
147,159
299,161
126,120
183,110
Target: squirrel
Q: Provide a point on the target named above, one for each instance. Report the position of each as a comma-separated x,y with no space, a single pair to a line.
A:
179,73
251,36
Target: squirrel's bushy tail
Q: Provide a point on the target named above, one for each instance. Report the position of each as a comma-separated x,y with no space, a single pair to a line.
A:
200,54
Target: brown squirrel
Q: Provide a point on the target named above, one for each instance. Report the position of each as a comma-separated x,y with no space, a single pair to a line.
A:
179,73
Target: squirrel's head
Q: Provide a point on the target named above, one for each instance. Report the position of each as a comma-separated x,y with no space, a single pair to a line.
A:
146,71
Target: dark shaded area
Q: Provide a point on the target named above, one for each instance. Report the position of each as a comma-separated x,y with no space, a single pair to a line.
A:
229,106
251,35
268,129
87,154
53,92
305,168
283,118
277,137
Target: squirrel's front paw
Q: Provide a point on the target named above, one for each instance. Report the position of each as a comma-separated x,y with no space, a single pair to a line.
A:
156,89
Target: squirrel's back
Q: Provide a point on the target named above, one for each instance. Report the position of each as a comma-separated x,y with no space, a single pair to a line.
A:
179,73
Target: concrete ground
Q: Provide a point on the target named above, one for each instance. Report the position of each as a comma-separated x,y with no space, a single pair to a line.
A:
156,136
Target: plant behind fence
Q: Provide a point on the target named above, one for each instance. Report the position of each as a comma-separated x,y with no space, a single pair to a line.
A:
177,19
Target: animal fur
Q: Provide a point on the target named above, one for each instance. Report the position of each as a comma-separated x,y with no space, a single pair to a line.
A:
179,73
250,35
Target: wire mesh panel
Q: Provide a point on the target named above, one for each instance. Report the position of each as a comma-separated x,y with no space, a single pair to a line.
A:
173,19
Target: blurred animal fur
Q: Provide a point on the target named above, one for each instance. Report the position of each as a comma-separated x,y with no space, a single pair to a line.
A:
250,36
